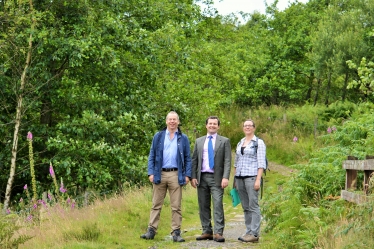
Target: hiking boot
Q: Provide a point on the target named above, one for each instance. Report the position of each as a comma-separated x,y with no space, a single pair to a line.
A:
177,236
150,234
218,237
249,238
205,236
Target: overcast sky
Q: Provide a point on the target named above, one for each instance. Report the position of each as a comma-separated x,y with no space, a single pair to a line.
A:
228,6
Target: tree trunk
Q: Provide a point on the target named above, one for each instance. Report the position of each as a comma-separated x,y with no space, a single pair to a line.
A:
345,86
317,92
328,89
310,89
18,118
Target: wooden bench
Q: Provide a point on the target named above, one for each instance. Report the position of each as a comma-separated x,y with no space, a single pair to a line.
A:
352,165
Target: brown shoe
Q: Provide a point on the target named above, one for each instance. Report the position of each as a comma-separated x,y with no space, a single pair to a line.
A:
248,238
205,236
219,238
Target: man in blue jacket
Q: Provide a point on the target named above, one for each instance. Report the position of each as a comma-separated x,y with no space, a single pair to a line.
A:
169,168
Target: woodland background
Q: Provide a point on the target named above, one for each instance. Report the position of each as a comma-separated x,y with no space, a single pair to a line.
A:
93,80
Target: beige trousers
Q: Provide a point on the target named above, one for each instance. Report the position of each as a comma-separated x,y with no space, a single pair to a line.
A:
169,182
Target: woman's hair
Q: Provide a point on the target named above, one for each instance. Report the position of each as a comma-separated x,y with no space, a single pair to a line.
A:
253,122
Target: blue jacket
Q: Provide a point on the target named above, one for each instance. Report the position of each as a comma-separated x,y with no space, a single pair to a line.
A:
155,158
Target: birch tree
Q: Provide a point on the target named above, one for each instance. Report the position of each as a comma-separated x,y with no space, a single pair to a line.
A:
20,97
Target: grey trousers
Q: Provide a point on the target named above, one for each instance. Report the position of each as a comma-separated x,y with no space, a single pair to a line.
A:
206,192
249,200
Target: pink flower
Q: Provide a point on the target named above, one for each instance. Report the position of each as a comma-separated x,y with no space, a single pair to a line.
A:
29,135
21,200
49,196
333,128
42,202
25,187
8,211
73,204
62,189
295,139
68,201
29,218
329,130
51,171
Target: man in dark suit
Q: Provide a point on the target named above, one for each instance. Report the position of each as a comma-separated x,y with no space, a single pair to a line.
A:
211,164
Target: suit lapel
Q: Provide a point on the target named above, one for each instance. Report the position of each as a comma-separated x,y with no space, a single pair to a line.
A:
202,141
218,144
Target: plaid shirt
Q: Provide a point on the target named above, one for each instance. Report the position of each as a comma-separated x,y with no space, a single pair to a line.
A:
248,163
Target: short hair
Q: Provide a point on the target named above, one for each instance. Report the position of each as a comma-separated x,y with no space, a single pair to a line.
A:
212,117
172,112
253,122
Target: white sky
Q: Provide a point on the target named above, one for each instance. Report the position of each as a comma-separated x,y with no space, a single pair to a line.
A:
225,7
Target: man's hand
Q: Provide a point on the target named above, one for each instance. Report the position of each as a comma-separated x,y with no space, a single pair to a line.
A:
187,180
150,177
194,183
224,183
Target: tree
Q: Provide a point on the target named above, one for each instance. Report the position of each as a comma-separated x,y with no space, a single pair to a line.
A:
338,38
20,96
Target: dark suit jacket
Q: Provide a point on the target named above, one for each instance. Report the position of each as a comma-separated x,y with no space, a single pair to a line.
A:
222,159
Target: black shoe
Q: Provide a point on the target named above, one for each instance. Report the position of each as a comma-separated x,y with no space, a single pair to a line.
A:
177,236
150,234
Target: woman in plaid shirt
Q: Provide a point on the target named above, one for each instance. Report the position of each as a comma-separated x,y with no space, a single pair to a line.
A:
250,163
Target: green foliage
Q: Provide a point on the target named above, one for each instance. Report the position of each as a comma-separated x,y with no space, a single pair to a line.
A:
338,111
8,230
95,153
304,206
366,74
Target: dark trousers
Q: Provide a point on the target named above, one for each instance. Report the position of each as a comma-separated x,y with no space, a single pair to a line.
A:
207,191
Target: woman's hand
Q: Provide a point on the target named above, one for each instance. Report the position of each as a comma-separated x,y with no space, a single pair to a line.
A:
257,184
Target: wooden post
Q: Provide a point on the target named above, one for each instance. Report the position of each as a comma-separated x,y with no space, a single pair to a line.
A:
86,195
351,176
351,179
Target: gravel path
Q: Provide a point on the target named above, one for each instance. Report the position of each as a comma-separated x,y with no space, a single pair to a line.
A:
233,229
234,225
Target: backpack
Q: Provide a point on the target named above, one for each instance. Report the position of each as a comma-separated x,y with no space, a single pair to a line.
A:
266,160
266,163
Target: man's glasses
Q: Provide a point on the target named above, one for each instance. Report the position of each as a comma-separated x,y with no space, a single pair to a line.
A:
248,126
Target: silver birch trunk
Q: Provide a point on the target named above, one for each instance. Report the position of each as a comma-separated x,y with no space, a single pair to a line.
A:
18,118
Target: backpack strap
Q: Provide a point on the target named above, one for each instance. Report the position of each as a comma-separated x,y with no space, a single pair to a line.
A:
262,180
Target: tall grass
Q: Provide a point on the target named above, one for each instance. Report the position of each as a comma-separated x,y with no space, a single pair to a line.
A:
115,222
278,126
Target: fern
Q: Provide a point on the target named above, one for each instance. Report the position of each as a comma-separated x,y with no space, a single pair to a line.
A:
8,229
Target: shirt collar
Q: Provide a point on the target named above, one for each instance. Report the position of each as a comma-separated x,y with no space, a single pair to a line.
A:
168,132
214,135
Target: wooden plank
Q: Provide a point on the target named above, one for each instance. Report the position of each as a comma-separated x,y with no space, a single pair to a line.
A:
355,197
367,164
